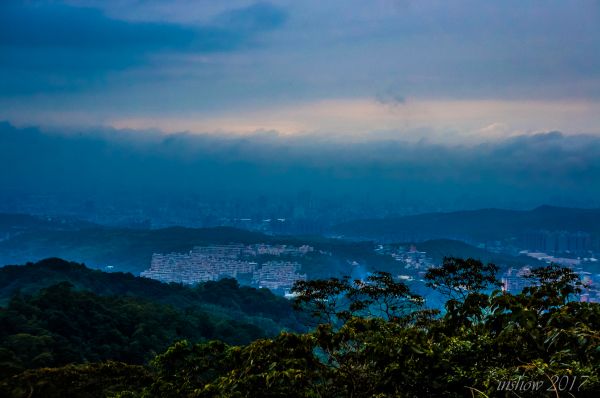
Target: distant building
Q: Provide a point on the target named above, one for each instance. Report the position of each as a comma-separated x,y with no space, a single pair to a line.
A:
277,275
513,280
557,241
412,258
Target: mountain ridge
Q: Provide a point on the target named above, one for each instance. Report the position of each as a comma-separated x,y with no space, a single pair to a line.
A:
473,225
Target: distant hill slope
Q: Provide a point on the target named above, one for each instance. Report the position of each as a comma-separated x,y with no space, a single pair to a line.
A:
130,250
475,225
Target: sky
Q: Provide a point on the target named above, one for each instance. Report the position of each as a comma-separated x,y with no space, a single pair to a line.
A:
457,104
444,71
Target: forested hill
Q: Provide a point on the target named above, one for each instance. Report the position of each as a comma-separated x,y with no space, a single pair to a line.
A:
130,250
479,225
224,296
74,314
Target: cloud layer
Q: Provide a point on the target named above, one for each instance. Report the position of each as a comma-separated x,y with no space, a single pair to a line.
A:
521,171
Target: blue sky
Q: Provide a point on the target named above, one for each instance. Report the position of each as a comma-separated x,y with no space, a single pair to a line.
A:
461,71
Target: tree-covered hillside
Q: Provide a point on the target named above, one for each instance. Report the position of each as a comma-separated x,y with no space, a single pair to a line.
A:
225,295
55,312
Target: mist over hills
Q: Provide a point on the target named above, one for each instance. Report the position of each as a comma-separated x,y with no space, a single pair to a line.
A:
437,249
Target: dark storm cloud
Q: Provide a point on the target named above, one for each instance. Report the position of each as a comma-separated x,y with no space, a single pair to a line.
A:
548,168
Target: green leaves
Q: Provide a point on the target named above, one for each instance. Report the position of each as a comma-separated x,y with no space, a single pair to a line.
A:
106,379
335,301
376,340
61,325
551,286
457,278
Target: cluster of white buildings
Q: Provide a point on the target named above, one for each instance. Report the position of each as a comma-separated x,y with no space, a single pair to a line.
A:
210,263
278,275
281,250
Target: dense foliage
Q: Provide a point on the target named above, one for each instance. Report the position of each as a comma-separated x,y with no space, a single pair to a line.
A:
224,299
59,326
58,312
375,338
93,380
